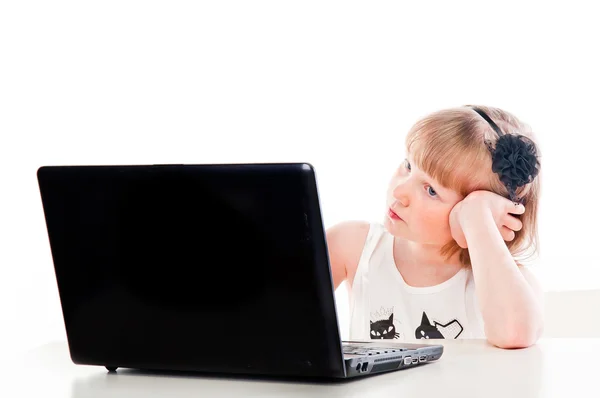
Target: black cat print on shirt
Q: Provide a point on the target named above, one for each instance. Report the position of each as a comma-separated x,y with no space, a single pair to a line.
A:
426,330
384,329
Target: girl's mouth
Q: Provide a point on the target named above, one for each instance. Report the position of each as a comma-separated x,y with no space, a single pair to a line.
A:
393,215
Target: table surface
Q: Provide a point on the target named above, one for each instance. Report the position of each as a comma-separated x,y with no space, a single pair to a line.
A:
468,368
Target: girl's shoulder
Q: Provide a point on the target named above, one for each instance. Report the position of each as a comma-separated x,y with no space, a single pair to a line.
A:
345,242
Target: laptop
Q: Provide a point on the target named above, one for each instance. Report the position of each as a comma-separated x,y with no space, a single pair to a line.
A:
219,268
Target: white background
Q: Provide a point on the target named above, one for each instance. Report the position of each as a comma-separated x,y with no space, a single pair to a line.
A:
336,84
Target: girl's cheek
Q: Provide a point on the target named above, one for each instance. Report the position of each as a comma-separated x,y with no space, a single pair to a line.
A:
437,222
430,218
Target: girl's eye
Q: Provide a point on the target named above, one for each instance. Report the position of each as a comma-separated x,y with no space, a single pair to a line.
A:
431,191
407,165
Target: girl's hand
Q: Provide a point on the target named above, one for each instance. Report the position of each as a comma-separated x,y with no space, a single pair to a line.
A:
472,209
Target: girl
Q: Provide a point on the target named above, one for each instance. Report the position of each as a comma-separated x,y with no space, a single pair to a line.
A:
445,262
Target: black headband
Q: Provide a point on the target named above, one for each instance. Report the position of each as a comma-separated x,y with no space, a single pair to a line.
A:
489,120
514,158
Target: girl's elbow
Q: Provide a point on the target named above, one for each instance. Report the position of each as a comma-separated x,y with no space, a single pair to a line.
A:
512,343
516,337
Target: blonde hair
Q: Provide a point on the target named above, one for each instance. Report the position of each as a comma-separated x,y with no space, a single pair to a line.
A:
449,145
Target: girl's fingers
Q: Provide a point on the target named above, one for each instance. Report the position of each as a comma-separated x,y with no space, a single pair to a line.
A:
507,234
513,223
513,208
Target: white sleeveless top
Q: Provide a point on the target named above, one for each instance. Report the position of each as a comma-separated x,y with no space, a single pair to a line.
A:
383,306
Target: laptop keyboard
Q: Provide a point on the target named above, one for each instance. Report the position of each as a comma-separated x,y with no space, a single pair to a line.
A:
368,349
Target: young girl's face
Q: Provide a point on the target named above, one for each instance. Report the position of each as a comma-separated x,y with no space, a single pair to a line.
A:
418,207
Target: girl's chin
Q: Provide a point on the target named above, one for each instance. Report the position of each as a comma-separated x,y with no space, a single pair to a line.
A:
395,229
406,236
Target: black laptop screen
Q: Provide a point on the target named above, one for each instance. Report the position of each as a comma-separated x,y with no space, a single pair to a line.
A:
170,266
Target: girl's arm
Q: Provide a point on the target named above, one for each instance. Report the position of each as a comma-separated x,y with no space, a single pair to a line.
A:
509,295
345,242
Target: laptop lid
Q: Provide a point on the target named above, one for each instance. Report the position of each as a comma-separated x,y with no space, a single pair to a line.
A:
220,268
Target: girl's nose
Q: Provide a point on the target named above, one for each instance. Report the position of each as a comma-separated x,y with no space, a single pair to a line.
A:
401,193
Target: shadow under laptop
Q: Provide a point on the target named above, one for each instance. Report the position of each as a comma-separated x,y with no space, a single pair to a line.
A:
500,373
140,383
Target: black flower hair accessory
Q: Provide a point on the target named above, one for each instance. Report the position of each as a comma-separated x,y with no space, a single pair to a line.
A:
514,158
515,161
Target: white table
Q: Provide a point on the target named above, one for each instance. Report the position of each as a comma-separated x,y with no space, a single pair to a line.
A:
468,368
